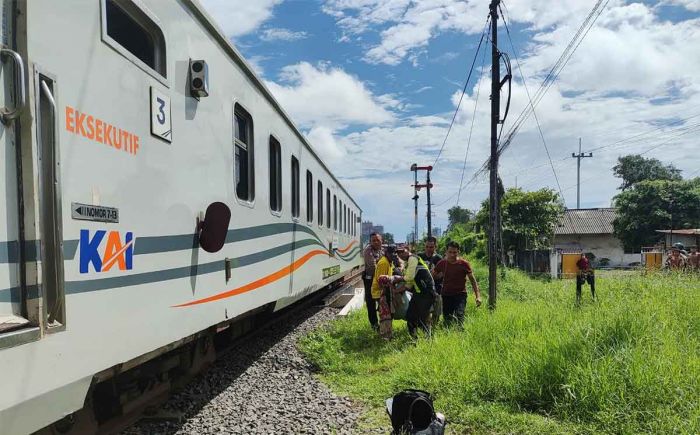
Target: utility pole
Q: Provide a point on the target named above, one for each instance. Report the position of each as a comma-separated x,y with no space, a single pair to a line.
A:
495,118
578,158
428,185
414,168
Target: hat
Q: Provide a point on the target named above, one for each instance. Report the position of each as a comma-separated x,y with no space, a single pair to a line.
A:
390,249
400,248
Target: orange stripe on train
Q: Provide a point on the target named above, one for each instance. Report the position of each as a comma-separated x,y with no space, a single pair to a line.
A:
347,248
258,283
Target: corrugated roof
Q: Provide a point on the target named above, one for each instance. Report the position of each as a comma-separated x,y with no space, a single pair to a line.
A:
586,221
689,232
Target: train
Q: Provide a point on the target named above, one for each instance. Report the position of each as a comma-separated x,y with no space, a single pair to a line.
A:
155,194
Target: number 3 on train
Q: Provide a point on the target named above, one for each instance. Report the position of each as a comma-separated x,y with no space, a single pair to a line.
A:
160,115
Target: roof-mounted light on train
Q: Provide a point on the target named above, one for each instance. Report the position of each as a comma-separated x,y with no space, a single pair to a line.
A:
199,78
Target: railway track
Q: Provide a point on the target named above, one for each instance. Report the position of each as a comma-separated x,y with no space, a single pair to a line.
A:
137,399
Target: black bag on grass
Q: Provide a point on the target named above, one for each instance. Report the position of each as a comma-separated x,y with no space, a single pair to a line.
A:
412,412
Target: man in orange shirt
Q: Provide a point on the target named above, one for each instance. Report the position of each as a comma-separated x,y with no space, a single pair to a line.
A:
454,272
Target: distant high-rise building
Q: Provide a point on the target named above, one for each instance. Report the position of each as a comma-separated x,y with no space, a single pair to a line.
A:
368,228
437,232
366,231
409,237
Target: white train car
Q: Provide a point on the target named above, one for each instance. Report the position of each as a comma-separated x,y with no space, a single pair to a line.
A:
123,121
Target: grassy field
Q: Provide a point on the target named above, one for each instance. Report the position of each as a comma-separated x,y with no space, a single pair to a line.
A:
628,363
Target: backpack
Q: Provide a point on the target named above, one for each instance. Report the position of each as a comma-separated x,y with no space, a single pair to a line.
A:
412,412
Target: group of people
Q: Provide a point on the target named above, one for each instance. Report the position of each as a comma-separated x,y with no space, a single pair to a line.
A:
436,286
680,259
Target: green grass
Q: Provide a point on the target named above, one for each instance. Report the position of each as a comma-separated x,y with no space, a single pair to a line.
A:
628,363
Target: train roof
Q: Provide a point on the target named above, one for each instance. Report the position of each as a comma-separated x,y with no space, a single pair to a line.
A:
203,16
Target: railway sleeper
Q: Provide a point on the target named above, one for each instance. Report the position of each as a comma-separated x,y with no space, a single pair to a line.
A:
119,396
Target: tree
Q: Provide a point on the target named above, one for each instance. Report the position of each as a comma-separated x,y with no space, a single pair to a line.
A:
527,218
654,205
458,215
388,238
634,168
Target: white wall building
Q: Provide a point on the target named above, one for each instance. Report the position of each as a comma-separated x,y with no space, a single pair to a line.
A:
590,230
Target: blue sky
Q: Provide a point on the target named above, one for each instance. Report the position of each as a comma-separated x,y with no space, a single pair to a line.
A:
374,84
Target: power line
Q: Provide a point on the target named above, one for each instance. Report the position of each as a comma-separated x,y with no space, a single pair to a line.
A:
552,75
471,128
539,128
464,90
636,139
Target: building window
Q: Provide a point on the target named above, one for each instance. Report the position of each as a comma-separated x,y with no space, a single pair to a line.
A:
275,175
328,207
295,187
135,32
309,197
244,172
320,203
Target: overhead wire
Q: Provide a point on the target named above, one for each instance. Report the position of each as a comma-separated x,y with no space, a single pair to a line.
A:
464,90
551,77
534,113
471,128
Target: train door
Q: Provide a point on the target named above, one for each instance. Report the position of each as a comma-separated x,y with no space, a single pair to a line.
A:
12,297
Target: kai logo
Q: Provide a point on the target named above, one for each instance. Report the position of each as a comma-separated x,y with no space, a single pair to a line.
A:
113,252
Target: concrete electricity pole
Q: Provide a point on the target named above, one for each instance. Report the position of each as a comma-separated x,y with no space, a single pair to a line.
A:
578,157
495,118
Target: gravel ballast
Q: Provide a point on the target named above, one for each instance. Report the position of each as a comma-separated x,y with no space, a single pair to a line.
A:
263,385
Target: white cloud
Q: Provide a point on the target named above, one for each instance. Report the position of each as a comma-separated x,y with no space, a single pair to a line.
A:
325,96
629,50
239,17
411,24
275,34
255,62
691,5
323,141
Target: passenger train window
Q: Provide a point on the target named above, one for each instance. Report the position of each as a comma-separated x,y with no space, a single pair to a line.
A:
134,31
328,207
244,172
295,187
275,156
320,203
309,196
335,212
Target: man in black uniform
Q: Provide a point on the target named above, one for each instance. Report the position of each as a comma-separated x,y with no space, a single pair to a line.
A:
431,259
420,282
371,255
